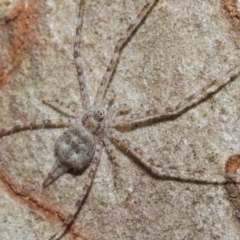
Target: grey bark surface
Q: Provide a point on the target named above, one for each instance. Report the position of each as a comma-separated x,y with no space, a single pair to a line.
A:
182,46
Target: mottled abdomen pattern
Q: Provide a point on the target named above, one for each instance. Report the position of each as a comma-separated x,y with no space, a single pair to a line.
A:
75,148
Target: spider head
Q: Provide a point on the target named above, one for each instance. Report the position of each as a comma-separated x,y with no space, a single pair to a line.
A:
93,120
99,114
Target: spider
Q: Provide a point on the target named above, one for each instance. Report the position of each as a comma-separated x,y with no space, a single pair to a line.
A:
82,143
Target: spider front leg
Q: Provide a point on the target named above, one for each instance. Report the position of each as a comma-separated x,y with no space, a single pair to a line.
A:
84,193
186,104
78,60
116,110
164,170
117,51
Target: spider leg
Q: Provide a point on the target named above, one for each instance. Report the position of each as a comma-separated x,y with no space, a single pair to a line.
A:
61,123
193,99
59,106
164,170
78,60
109,97
117,50
89,181
112,154
116,110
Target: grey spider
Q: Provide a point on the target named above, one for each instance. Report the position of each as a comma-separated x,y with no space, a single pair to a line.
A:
81,144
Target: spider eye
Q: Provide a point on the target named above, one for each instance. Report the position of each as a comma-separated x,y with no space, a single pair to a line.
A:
99,114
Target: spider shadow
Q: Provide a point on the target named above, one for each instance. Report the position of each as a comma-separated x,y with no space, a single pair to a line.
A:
77,172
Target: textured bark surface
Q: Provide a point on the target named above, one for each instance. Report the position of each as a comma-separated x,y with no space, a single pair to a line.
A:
182,46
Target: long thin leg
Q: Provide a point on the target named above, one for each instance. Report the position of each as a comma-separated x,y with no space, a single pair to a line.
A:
59,106
116,110
78,60
165,170
89,181
109,97
158,113
117,50
61,123
112,155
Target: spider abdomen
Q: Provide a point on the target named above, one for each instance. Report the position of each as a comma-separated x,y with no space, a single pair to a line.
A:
75,148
